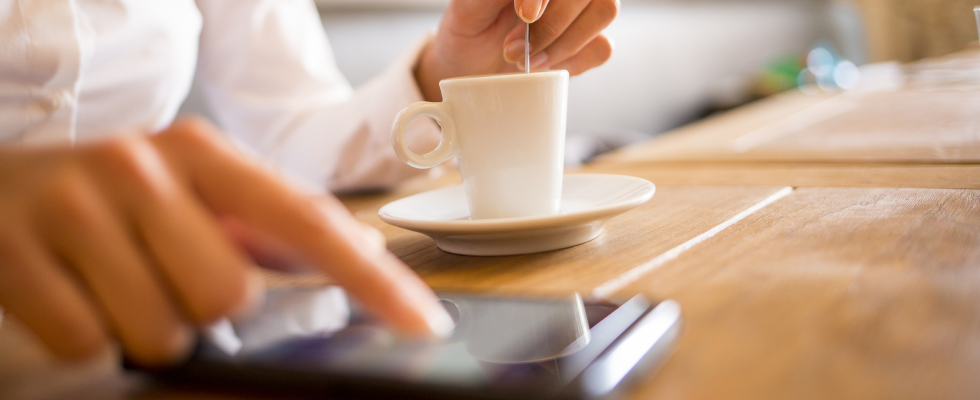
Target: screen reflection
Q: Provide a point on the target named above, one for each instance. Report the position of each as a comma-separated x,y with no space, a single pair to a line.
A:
498,343
519,331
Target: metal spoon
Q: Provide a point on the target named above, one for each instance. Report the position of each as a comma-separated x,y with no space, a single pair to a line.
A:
527,48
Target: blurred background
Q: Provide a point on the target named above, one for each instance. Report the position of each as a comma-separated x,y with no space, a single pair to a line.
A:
678,61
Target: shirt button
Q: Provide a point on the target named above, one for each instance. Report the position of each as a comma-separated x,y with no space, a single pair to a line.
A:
56,100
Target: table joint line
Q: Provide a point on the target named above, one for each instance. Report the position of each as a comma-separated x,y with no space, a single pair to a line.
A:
618,283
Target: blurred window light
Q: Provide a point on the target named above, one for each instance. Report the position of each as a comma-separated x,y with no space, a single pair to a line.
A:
820,61
846,75
827,71
807,82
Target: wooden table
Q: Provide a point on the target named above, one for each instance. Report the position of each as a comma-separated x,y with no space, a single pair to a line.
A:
821,246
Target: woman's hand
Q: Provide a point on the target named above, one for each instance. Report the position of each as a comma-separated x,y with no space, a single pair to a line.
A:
131,238
487,36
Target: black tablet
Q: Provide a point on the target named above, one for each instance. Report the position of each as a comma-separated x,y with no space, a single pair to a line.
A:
501,348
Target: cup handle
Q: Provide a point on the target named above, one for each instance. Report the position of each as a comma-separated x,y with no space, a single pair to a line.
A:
442,114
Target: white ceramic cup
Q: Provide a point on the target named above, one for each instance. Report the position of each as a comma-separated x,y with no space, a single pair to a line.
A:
508,134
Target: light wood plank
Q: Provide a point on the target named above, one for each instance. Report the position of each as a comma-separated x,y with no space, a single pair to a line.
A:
930,118
940,125
714,137
830,293
921,126
938,176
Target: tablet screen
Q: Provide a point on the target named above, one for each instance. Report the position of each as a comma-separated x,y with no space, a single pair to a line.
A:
497,342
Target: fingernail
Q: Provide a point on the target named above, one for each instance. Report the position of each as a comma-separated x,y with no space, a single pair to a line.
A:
514,51
439,321
182,344
529,10
254,295
376,240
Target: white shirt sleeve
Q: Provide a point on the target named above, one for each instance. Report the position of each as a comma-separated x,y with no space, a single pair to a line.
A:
270,77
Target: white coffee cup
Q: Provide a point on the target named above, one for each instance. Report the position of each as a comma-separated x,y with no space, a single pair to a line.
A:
508,134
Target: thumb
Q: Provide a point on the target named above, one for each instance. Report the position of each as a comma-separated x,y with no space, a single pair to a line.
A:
473,16
530,10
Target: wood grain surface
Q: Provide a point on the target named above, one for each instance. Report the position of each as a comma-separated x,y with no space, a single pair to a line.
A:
830,293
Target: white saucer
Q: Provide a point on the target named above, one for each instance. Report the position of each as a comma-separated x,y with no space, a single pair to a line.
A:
587,202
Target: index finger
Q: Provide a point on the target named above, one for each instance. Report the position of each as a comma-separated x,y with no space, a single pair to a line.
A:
322,231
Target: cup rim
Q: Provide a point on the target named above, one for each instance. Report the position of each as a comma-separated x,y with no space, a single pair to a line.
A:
504,76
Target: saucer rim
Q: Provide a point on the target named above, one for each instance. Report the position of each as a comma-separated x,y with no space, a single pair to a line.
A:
469,226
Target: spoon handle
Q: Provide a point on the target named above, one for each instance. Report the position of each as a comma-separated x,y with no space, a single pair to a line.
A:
527,48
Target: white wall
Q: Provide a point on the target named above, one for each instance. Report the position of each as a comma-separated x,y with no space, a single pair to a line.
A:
366,41
670,57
